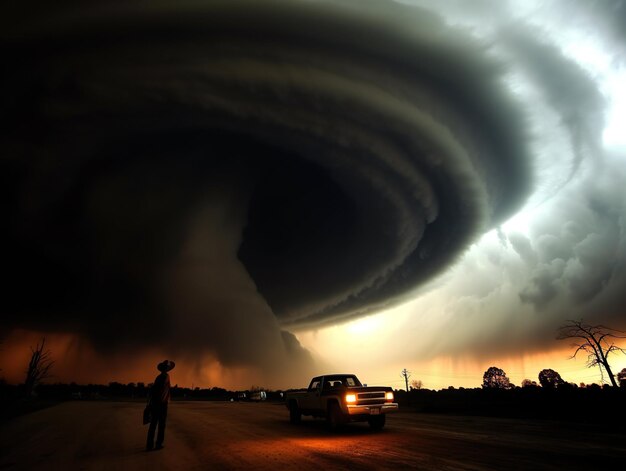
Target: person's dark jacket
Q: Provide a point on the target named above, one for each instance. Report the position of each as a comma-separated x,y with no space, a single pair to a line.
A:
161,390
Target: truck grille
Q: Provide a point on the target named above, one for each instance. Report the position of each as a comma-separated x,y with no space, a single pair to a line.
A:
372,395
371,398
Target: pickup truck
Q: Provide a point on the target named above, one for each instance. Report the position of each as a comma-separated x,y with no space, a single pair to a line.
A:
341,398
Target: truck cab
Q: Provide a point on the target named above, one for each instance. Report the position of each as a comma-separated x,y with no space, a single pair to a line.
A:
342,398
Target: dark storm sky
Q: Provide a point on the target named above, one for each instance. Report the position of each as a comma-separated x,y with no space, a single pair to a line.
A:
207,175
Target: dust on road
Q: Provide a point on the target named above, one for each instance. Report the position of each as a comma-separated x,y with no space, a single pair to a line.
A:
218,435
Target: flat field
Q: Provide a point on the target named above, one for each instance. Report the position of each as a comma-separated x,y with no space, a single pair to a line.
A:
218,435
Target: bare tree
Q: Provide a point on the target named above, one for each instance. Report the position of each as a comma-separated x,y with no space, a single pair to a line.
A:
597,341
406,375
417,384
39,366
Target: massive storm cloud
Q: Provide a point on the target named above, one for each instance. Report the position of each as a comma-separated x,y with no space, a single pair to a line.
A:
563,255
205,175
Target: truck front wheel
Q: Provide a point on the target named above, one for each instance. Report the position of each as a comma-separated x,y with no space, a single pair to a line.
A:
334,417
377,422
295,416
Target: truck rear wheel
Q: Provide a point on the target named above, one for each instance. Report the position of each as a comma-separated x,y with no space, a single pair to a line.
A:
377,422
334,417
295,416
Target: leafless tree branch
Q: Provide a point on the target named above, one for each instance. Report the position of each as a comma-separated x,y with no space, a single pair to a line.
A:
597,342
39,366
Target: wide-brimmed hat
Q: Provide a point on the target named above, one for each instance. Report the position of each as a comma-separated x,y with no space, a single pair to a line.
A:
166,366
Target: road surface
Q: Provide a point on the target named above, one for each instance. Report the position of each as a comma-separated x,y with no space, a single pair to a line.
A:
214,435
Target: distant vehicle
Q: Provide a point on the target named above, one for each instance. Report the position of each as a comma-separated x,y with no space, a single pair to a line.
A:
258,396
341,398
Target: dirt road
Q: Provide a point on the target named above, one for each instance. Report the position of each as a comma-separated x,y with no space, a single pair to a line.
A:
201,435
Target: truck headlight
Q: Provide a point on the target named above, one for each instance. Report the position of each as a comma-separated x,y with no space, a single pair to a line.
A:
350,398
389,396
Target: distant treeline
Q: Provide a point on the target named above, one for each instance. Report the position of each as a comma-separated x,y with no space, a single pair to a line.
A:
14,401
115,390
591,404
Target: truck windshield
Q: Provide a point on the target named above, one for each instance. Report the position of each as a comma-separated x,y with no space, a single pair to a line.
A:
334,381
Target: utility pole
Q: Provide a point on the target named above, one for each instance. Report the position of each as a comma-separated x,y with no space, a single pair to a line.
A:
406,375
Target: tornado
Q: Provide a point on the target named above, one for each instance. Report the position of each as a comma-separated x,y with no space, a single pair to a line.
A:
213,175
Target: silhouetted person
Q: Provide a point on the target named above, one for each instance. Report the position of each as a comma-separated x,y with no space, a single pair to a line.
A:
159,399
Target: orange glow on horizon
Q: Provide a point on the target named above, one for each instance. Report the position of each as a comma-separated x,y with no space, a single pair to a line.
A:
467,372
77,361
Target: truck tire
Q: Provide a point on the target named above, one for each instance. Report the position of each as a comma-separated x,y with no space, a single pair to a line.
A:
295,416
377,422
334,417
